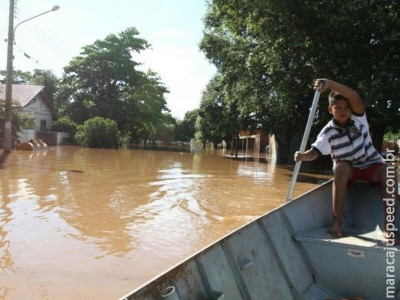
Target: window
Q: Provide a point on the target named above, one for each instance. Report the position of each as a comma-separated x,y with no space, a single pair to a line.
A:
43,125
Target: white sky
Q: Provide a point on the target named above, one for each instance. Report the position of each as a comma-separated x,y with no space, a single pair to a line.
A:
172,27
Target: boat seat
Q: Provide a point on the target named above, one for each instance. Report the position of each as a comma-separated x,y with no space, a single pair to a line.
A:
353,265
351,237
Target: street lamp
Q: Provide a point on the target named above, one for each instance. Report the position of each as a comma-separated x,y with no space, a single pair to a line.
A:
55,7
11,35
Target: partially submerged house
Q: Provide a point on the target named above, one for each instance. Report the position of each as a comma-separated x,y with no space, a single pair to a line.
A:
35,103
252,144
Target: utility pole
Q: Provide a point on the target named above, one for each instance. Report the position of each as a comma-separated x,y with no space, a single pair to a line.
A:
8,100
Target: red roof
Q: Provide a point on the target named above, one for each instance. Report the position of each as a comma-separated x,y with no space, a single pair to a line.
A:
23,93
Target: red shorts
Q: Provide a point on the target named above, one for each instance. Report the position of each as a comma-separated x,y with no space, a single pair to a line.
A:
366,174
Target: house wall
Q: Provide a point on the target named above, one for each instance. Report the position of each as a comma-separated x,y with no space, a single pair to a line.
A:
60,138
63,138
42,114
257,141
26,134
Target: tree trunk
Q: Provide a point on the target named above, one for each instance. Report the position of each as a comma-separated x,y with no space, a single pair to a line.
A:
232,145
377,134
237,145
284,146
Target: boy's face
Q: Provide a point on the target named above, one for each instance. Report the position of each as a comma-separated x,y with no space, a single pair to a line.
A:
341,111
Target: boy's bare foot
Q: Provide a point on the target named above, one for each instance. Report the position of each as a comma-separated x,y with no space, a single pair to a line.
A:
335,230
391,238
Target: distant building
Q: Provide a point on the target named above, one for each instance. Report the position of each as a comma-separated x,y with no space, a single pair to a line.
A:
35,103
252,144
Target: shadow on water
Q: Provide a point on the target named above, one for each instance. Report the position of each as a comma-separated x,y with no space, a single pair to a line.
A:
173,148
322,175
261,159
309,175
3,158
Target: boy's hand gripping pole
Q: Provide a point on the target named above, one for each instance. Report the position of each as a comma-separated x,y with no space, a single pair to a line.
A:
303,144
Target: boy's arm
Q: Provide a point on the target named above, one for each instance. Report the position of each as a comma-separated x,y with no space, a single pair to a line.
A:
356,102
309,155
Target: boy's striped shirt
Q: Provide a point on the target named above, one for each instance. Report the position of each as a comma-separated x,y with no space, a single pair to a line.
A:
352,143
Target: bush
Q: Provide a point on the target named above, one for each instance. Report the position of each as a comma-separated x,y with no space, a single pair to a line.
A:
391,136
98,133
65,124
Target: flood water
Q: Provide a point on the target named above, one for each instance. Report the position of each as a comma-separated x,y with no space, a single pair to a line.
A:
80,223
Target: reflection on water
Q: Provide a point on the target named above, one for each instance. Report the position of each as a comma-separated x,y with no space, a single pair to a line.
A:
78,223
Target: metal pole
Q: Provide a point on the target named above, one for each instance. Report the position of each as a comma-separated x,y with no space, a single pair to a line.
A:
303,144
8,100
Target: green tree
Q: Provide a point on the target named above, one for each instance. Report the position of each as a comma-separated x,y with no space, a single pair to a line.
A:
165,129
93,81
219,115
145,107
185,129
19,77
103,81
50,82
98,132
210,121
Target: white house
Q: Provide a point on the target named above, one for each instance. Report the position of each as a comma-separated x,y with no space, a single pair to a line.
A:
34,102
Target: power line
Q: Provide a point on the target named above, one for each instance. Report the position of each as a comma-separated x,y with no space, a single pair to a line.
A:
30,57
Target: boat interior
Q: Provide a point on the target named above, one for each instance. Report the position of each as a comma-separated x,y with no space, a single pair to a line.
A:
287,254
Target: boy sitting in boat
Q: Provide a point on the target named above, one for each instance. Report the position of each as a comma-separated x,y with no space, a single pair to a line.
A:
346,137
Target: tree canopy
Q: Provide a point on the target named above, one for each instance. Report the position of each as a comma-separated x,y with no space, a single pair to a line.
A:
186,129
219,117
103,81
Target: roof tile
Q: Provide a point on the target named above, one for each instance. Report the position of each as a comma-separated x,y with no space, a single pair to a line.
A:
21,92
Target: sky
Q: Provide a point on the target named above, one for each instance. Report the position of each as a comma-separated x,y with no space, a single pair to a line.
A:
172,27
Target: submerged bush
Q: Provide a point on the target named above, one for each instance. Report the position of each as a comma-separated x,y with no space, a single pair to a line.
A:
98,133
65,124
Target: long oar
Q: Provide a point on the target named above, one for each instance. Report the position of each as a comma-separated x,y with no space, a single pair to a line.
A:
303,145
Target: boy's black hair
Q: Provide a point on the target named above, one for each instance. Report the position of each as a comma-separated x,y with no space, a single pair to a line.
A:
335,96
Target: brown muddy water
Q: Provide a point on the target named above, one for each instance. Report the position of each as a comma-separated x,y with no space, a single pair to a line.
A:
80,223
